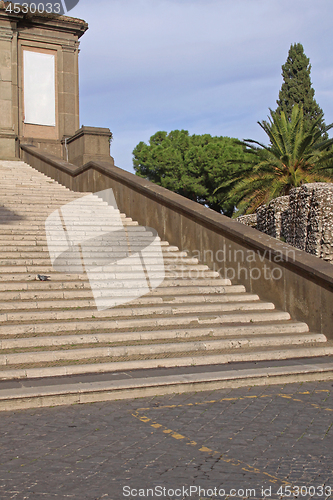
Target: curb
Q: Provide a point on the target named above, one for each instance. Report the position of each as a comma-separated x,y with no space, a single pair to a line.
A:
32,397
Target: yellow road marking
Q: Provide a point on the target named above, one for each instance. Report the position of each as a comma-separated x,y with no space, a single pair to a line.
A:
205,449
201,403
177,436
145,419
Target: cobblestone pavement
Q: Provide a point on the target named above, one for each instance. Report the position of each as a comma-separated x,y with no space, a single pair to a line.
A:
231,443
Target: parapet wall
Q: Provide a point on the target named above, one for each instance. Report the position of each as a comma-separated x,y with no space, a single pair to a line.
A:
294,280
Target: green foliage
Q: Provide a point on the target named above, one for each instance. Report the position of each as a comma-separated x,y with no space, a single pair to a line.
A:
297,88
192,166
295,156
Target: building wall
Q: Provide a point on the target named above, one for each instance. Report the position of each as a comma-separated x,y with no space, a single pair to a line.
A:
8,86
46,34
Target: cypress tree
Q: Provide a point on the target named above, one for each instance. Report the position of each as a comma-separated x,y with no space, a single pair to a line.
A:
297,88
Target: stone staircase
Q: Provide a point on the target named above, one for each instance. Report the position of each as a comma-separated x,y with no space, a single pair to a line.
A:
194,318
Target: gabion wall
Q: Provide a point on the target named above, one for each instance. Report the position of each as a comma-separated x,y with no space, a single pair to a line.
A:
269,217
310,214
248,220
304,219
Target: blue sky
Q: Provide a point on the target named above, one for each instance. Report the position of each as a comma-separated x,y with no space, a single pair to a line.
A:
207,66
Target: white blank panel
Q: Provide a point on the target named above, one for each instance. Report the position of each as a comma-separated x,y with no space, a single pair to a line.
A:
39,88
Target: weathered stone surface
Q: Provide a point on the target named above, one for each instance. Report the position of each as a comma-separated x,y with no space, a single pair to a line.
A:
270,217
248,220
304,219
310,216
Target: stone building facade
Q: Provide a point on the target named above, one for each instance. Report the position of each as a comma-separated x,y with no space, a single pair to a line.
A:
39,84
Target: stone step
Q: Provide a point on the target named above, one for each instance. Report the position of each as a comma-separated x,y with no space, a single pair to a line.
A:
104,281
31,221
39,231
13,282
169,286
89,218
190,294
39,221
242,331
21,273
65,367
21,241
194,318
110,260
34,253
44,204
94,324
134,310
209,346
142,237
27,394
33,196
74,303
99,259
30,212
37,247
97,249
53,197
92,204
32,186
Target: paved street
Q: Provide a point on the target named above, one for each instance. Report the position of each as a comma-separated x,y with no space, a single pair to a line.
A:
207,445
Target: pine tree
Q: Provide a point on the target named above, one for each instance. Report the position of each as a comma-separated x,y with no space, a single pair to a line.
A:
192,165
297,88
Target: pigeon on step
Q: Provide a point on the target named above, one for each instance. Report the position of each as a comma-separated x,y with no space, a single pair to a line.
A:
41,277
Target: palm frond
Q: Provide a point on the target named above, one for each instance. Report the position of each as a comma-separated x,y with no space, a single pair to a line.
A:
292,158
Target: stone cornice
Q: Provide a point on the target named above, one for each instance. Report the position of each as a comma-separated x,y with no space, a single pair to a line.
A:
47,21
84,130
6,33
69,45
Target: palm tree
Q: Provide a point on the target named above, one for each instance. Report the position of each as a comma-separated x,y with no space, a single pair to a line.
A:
294,157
